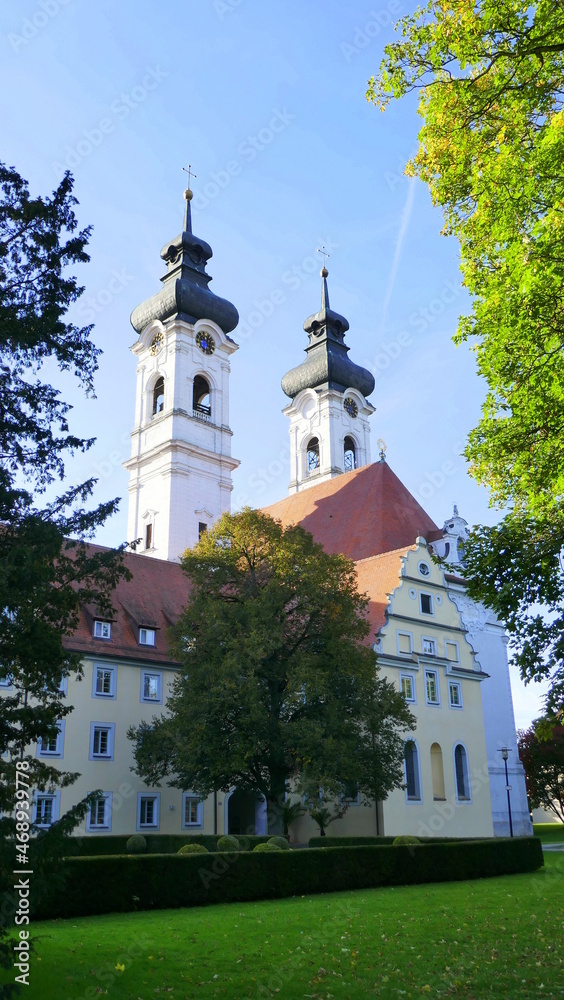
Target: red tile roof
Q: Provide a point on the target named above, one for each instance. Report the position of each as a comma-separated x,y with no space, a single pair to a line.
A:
361,513
366,514
378,576
153,598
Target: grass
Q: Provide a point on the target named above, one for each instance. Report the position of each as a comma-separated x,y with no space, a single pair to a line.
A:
498,937
549,833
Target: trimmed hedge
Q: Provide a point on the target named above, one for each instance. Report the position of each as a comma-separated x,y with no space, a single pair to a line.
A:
121,884
157,843
374,841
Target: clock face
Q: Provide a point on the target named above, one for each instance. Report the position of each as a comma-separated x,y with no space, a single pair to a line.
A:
205,342
351,407
156,343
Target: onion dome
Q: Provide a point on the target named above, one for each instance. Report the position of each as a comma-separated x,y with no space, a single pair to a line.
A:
327,365
185,293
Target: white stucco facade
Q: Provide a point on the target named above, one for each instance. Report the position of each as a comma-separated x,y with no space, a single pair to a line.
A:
181,465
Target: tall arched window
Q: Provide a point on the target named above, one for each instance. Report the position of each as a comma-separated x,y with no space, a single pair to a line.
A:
350,454
201,396
461,773
312,456
411,761
437,772
158,396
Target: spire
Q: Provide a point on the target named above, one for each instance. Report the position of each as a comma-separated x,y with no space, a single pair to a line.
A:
185,294
327,364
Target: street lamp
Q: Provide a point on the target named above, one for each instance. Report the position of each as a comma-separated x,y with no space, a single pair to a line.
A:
505,751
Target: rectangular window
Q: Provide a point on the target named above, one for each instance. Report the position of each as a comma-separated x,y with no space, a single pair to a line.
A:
99,816
202,528
51,746
146,637
407,684
104,682
149,536
405,643
455,694
151,686
148,812
429,647
192,810
45,810
432,687
102,741
426,604
451,651
102,630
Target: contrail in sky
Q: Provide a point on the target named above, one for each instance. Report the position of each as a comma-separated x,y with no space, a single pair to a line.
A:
406,216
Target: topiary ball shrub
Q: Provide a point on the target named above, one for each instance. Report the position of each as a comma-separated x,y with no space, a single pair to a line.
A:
136,844
405,839
264,848
228,843
280,842
193,849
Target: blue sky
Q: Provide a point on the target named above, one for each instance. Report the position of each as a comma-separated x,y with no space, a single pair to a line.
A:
266,101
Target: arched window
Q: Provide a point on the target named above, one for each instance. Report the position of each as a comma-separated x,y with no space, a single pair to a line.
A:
312,456
411,761
461,773
201,396
158,396
350,454
437,772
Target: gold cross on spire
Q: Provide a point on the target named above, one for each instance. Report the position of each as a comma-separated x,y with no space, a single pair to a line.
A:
323,251
188,170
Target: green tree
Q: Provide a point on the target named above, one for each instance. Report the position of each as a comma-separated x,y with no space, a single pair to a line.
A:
44,575
277,685
541,750
490,78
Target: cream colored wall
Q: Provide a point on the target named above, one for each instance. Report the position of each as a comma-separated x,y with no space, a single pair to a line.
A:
115,775
436,724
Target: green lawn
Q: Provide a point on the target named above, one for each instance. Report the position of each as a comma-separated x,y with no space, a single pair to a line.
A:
499,938
549,833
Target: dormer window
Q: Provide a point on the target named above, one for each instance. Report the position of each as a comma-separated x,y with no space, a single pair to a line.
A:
312,456
158,396
146,637
350,454
102,630
201,403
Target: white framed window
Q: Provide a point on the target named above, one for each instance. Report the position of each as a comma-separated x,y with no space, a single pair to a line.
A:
412,772
426,603
192,810
428,646
148,811
151,686
52,746
455,694
452,651
99,816
104,681
102,740
424,568
461,774
407,686
45,809
432,694
102,630
146,637
404,643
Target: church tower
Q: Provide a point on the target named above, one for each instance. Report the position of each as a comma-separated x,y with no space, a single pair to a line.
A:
329,428
181,465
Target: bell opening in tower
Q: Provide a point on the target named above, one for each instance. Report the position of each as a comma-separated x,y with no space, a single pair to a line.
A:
312,456
350,455
158,396
201,403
